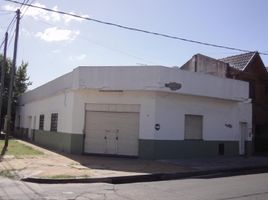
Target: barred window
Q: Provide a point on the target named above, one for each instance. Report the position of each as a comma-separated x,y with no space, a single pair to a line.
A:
41,122
54,122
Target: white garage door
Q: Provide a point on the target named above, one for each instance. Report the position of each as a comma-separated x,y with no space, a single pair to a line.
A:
113,133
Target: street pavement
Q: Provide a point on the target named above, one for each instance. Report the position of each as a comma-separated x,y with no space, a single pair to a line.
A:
241,187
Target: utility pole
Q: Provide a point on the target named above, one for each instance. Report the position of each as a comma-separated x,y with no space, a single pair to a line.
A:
3,67
11,85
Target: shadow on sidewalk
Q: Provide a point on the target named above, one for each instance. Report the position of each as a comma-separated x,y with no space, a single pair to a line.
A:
119,163
136,165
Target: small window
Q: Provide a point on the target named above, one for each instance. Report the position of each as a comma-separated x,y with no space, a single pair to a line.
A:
193,127
54,122
41,122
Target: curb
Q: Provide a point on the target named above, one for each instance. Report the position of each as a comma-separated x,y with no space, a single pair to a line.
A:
152,177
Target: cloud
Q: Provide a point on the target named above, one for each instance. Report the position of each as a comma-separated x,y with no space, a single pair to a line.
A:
55,34
78,58
55,16
68,18
81,57
26,33
39,14
56,51
31,12
8,7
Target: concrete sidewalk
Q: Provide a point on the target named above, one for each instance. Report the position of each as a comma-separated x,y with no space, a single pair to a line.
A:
54,167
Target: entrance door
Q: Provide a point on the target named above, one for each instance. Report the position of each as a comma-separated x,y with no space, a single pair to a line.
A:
34,127
111,142
243,133
112,133
30,127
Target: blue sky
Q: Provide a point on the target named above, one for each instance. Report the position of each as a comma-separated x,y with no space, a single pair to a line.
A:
54,45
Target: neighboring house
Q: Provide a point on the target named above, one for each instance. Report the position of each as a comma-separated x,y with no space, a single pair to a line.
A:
247,67
144,111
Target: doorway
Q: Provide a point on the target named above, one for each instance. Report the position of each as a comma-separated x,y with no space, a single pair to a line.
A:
243,133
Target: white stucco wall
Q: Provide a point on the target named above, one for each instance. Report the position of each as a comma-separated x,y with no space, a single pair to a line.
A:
217,99
61,103
146,100
171,110
163,108
141,78
153,78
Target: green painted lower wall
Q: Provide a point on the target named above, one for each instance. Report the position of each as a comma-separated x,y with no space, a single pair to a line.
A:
148,149
249,149
169,149
64,142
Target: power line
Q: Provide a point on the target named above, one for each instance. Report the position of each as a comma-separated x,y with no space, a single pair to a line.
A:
12,22
2,43
107,47
27,7
12,37
10,26
136,29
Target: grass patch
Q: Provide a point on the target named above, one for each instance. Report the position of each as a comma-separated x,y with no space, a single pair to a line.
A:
18,149
65,176
7,173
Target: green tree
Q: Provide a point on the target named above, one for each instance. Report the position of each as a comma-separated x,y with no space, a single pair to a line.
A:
21,84
21,80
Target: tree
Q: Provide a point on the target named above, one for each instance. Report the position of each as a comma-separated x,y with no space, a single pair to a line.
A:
20,86
21,80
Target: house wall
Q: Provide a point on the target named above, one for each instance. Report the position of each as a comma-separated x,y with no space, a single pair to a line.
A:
64,139
162,108
206,65
170,111
154,78
146,100
257,76
145,86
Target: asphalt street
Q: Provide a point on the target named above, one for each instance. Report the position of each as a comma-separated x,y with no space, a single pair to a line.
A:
242,187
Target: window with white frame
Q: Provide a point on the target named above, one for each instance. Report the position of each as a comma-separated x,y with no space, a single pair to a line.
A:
54,122
193,127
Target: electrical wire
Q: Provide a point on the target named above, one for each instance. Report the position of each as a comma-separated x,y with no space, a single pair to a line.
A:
9,27
11,39
136,29
2,44
107,47
26,8
12,23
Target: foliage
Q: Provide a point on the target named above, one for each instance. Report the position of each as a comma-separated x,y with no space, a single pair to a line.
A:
22,80
18,149
21,84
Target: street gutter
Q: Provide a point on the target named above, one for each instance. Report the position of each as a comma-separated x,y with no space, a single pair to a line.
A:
153,177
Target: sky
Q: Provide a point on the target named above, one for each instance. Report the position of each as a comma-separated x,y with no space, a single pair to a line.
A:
55,44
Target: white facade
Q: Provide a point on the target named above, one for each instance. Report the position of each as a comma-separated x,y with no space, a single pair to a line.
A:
223,103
